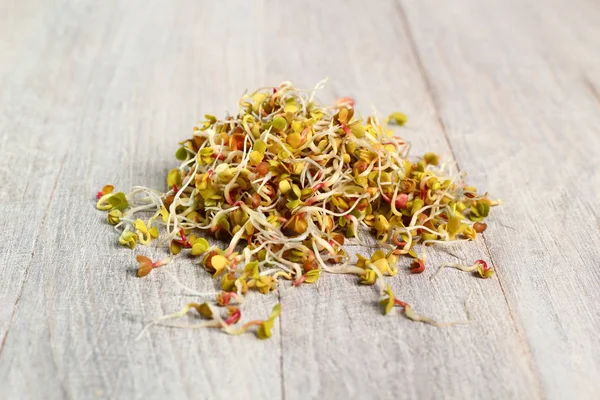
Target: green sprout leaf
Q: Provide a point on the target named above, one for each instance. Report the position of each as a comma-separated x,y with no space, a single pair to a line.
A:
128,239
264,330
279,123
389,301
181,154
118,201
200,246
397,118
312,276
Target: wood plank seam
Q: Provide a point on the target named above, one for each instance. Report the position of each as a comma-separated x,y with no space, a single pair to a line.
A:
592,88
426,81
35,242
436,107
281,370
516,322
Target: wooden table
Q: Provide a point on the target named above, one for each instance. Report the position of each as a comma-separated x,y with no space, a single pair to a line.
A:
101,92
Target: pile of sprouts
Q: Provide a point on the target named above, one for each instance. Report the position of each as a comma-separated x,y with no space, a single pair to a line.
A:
286,183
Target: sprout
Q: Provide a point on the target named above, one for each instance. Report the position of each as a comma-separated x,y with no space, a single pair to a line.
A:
417,266
107,189
397,118
287,182
483,270
114,217
128,239
264,329
479,266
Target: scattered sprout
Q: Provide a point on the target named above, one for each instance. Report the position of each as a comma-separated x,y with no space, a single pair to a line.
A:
114,217
368,277
264,329
128,239
483,270
312,276
117,201
199,246
417,266
105,190
397,118
480,266
145,266
388,301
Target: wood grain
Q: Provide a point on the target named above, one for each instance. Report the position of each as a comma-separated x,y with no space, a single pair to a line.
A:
101,92
542,111
133,92
31,158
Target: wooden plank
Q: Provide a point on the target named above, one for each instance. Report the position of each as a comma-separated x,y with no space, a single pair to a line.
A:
516,84
336,343
126,82
31,160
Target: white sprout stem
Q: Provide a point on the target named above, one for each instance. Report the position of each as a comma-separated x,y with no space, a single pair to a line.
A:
173,206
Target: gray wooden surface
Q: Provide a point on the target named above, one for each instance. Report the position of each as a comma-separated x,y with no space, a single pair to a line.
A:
100,92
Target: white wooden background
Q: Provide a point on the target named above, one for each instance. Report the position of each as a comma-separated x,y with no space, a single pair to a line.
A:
96,92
